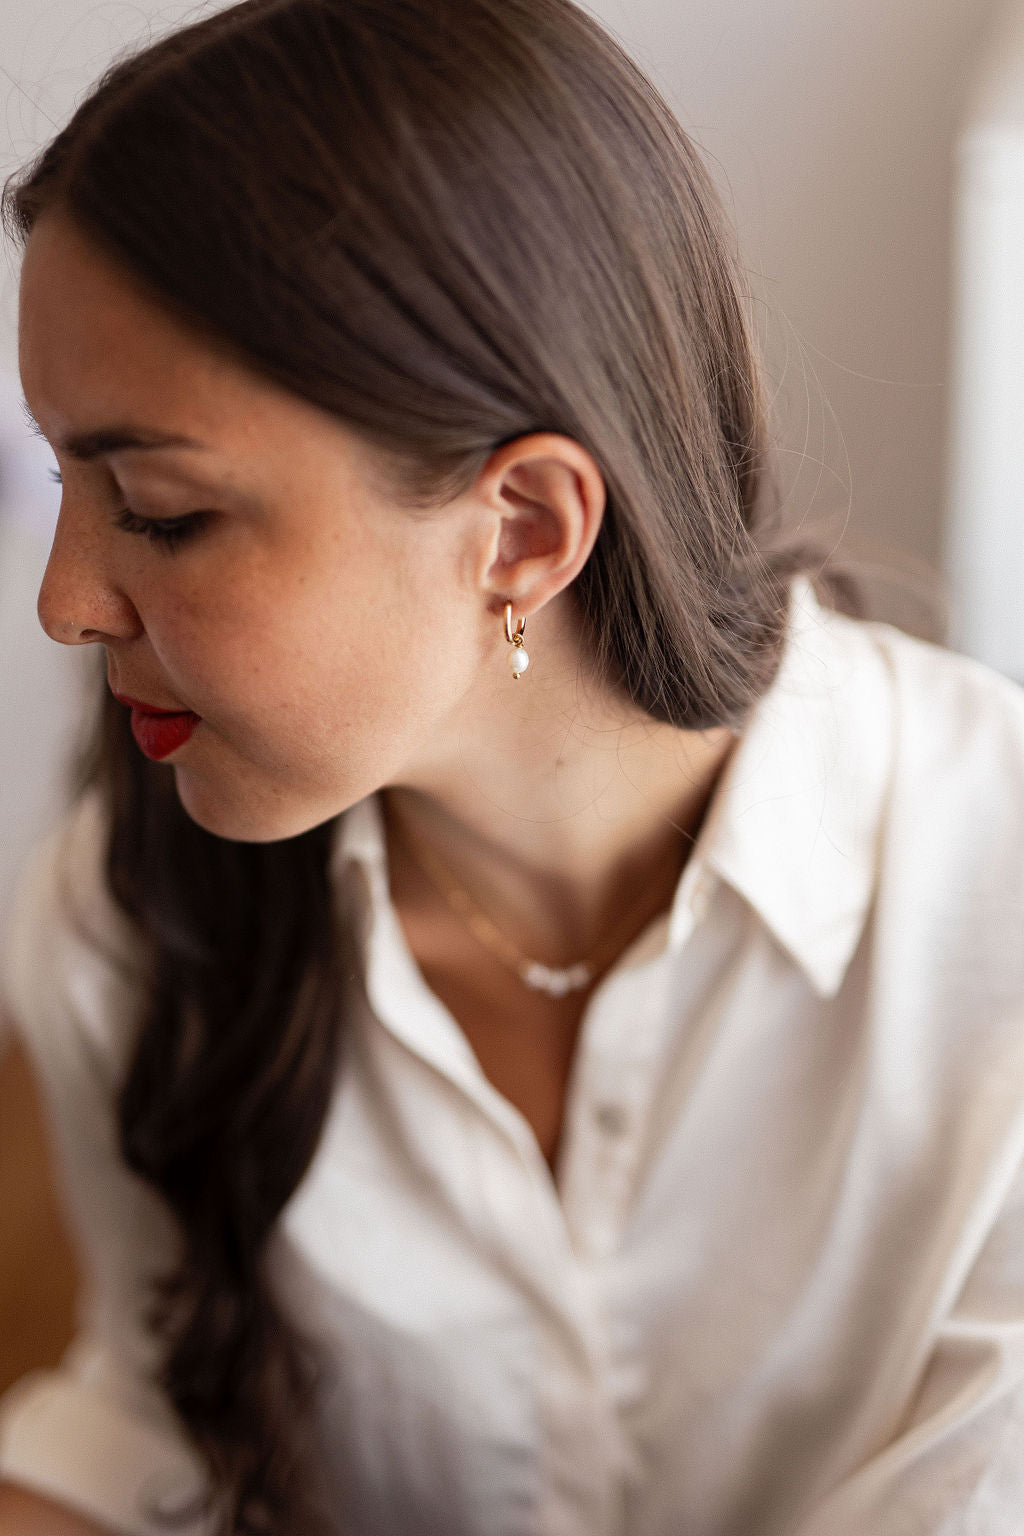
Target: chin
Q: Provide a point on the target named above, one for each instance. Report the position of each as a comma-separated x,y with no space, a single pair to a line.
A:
245,818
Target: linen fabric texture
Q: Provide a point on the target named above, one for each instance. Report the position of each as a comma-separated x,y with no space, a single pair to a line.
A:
777,1282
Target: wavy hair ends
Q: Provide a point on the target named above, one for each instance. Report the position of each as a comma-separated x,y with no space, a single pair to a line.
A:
450,223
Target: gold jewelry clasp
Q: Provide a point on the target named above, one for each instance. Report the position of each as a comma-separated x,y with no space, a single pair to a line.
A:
514,636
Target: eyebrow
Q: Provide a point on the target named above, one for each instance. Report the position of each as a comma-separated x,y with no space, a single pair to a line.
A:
92,445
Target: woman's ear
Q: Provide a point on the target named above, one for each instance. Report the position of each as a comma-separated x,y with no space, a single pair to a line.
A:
547,497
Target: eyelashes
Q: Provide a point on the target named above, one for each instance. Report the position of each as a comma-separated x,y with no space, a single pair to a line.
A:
168,533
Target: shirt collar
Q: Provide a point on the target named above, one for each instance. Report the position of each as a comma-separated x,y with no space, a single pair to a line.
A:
797,816
793,823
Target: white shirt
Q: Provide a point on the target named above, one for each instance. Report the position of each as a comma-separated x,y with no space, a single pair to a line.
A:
777,1288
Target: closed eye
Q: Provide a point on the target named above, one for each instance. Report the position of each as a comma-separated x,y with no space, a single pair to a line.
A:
168,532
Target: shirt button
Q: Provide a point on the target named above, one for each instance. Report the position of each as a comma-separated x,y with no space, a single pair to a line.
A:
610,1119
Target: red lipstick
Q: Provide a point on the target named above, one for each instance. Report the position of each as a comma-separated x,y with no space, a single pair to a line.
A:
158,732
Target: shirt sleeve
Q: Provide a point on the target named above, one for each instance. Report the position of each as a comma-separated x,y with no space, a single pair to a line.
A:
954,1465
96,1433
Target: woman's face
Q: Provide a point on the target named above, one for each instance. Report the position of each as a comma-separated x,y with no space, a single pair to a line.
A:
322,633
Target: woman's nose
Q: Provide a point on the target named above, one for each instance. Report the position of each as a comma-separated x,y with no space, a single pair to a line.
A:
80,602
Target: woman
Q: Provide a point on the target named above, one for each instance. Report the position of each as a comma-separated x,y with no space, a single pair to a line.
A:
529,998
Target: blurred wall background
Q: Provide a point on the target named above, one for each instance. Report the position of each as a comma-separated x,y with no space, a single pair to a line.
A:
830,127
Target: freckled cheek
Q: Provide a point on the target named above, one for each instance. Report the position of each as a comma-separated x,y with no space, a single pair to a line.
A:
282,673
208,663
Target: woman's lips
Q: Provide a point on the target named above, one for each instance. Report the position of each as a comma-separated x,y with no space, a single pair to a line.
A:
160,735
159,732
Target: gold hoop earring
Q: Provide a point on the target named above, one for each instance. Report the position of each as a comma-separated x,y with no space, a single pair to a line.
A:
518,661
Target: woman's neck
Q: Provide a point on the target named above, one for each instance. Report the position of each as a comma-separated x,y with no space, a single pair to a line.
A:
559,808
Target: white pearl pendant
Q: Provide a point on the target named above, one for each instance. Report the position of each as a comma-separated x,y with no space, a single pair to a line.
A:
518,661
555,982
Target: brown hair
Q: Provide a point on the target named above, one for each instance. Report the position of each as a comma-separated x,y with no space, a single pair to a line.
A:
451,223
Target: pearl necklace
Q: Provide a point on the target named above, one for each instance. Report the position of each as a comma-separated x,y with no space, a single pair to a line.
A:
555,981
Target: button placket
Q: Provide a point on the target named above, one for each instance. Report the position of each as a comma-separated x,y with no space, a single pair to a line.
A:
619,1048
